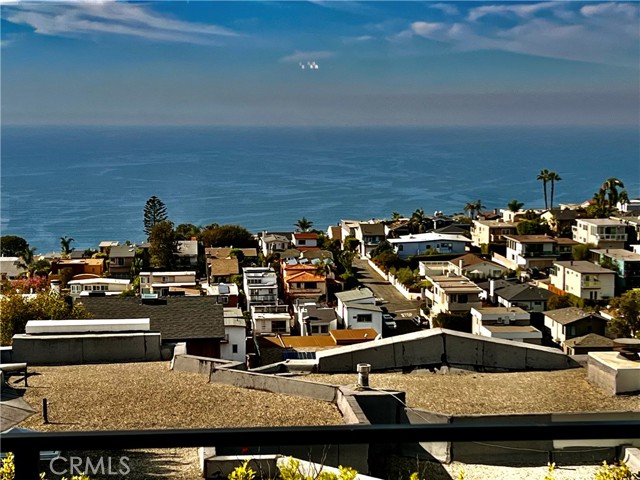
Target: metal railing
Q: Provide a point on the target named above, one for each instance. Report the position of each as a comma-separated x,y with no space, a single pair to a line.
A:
27,446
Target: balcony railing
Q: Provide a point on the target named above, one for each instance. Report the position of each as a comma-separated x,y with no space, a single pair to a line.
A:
615,237
27,446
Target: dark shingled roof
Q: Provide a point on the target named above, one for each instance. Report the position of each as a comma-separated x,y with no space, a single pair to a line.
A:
565,316
182,318
524,293
590,340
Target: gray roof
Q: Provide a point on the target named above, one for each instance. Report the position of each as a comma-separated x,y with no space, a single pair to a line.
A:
565,316
618,254
187,248
182,318
9,266
583,266
372,229
363,306
322,314
589,340
357,294
122,251
523,292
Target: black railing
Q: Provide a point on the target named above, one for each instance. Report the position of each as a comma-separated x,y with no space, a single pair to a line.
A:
27,446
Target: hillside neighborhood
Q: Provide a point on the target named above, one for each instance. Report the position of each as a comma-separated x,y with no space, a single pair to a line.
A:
537,290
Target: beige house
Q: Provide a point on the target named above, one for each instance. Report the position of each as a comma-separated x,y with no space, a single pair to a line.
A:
583,279
600,232
452,294
534,251
161,282
506,323
491,232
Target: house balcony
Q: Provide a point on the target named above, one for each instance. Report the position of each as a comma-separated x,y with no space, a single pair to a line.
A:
544,254
263,298
611,237
497,238
590,284
462,307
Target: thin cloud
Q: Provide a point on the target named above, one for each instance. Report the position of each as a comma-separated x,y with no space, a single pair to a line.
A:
604,33
84,18
300,56
359,39
446,8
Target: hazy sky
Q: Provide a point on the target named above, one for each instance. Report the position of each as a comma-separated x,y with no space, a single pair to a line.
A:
396,63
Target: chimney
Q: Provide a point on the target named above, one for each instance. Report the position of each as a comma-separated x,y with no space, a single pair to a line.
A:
492,289
459,267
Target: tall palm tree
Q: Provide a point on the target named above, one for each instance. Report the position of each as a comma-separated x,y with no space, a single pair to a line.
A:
418,221
65,245
27,260
303,224
471,208
610,189
479,206
623,197
553,177
543,176
396,216
515,206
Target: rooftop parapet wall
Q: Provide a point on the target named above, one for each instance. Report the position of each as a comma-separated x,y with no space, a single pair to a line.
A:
437,347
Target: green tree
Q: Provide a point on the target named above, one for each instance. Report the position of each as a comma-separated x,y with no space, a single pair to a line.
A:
581,251
155,211
351,243
396,216
532,227
515,206
227,236
303,224
553,177
17,310
163,245
12,246
383,246
627,318
65,245
187,231
418,222
610,189
28,260
479,206
543,176
559,301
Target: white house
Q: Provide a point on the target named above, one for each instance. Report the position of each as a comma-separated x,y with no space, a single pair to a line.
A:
109,286
534,251
273,242
369,234
225,293
268,319
304,240
475,267
506,323
260,285
600,232
416,244
234,345
187,253
357,309
161,282
491,232
583,279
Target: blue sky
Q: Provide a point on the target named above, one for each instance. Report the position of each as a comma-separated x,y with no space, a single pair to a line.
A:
379,63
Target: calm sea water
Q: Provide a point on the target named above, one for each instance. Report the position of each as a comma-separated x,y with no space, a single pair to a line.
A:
91,183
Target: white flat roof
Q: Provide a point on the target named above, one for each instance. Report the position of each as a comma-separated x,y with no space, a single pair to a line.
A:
35,327
101,280
168,274
429,237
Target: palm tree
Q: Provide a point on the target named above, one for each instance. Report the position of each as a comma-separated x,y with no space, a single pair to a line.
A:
323,269
27,260
396,216
303,224
610,189
553,177
479,206
65,244
515,206
471,208
623,197
544,177
418,221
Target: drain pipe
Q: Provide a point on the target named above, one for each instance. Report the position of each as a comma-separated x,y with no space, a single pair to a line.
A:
363,374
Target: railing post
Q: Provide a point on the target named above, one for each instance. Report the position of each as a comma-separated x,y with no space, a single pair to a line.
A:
26,463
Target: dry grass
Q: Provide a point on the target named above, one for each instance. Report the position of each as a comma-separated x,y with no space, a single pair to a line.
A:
496,393
150,396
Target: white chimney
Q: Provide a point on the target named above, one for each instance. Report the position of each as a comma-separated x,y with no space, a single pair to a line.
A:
492,288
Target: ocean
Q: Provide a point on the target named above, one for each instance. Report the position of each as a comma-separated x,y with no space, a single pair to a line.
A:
91,183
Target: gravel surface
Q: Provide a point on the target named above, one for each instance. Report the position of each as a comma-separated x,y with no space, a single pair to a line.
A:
151,396
465,393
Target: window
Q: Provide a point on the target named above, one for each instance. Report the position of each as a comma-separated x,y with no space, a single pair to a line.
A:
311,285
302,242
234,348
364,317
224,300
278,326
462,298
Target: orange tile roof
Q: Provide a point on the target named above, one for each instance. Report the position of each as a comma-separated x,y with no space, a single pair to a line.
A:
313,341
354,335
305,277
306,235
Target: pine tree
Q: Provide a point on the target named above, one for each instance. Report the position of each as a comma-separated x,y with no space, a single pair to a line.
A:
155,211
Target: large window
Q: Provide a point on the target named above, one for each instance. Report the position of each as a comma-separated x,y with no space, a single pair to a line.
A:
364,317
278,326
